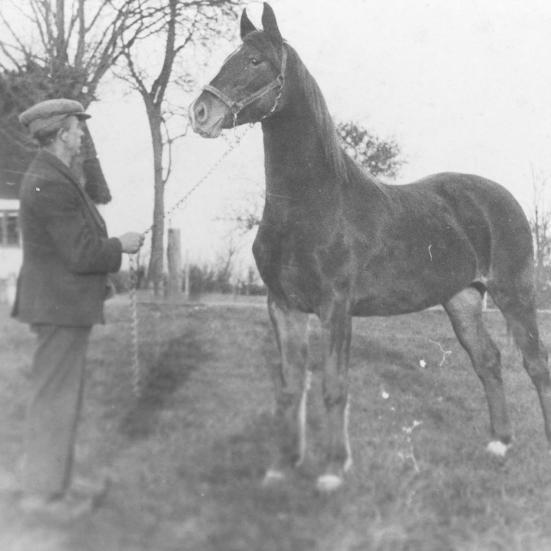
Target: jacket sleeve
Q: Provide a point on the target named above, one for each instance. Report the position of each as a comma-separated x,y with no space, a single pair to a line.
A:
78,241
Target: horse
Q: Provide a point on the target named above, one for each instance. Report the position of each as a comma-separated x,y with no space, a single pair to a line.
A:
336,242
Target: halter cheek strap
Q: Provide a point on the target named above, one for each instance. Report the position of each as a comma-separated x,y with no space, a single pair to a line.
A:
236,106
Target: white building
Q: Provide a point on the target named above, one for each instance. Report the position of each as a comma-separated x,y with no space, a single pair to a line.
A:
11,254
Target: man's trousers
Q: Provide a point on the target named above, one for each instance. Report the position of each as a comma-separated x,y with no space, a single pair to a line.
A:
54,408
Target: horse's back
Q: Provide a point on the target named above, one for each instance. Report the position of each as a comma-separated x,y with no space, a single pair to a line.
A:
487,213
438,235
460,192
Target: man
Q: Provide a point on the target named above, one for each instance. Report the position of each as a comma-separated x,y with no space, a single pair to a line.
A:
62,285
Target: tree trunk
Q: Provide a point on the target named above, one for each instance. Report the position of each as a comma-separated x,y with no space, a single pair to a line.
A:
155,272
60,55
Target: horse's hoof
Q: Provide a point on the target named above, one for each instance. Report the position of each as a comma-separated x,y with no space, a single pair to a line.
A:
497,448
272,477
328,483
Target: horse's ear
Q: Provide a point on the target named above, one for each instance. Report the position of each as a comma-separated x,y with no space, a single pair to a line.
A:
246,25
269,23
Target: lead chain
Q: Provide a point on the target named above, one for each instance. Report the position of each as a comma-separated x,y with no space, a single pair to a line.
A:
137,383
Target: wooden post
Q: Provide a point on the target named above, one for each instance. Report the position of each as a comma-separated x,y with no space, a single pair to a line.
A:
174,257
187,278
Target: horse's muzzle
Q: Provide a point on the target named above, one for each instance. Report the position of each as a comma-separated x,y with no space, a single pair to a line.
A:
206,117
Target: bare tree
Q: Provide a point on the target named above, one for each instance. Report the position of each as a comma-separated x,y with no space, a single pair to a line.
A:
173,25
540,222
68,48
77,41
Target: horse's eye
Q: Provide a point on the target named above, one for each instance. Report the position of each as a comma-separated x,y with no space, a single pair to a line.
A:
254,61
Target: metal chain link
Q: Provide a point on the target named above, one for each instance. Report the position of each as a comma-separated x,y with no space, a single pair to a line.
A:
136,370
184,198
134,323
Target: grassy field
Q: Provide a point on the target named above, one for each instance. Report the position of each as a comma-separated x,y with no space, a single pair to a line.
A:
188,456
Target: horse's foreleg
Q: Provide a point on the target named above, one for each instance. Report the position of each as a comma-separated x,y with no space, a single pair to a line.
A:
336,335
291,382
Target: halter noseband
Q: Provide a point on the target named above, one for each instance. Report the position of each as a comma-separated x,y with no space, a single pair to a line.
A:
236,106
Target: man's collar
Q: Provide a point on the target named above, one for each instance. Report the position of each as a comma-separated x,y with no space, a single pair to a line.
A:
57,163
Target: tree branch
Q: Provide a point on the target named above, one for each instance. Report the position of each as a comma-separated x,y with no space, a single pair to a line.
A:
81,41
14,35
38,21
161,82
73,22
95,18
50,40
6,52
137,78
60,43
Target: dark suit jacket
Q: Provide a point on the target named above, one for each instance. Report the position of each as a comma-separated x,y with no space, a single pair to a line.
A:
66,251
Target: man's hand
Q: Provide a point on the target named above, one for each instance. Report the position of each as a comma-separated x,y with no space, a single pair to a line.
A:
131,242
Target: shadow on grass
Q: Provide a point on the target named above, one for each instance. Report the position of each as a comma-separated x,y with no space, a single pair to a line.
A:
367,352
248,515
377,352
400,371
178,359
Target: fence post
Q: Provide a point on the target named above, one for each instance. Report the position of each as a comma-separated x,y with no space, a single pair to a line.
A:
174,257
187,277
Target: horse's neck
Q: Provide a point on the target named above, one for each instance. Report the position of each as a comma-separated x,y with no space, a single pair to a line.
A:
295,159
304,163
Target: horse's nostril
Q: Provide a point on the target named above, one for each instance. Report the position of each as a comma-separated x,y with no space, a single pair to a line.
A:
200,112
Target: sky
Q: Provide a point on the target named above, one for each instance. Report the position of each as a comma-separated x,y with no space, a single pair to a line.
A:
461,85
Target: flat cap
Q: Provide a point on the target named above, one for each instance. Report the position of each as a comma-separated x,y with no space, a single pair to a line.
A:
47,116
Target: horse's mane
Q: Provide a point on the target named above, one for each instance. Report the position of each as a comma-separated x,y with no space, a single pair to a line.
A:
323,121
345,168
341,164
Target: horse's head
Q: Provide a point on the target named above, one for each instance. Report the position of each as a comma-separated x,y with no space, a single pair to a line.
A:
249,86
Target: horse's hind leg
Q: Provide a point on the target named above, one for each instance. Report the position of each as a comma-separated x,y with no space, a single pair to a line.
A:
291,383
517,303
465,312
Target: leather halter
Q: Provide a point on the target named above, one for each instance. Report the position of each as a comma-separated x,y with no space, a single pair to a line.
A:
236,106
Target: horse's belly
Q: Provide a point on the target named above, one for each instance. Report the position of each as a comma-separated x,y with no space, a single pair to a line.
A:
401,298
411,284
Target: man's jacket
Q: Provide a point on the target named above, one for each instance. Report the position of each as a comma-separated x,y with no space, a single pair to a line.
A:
66,251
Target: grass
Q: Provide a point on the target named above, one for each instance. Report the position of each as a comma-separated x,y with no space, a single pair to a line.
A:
189,454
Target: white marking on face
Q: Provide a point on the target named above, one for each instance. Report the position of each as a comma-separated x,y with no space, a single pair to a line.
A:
302,416
497,448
